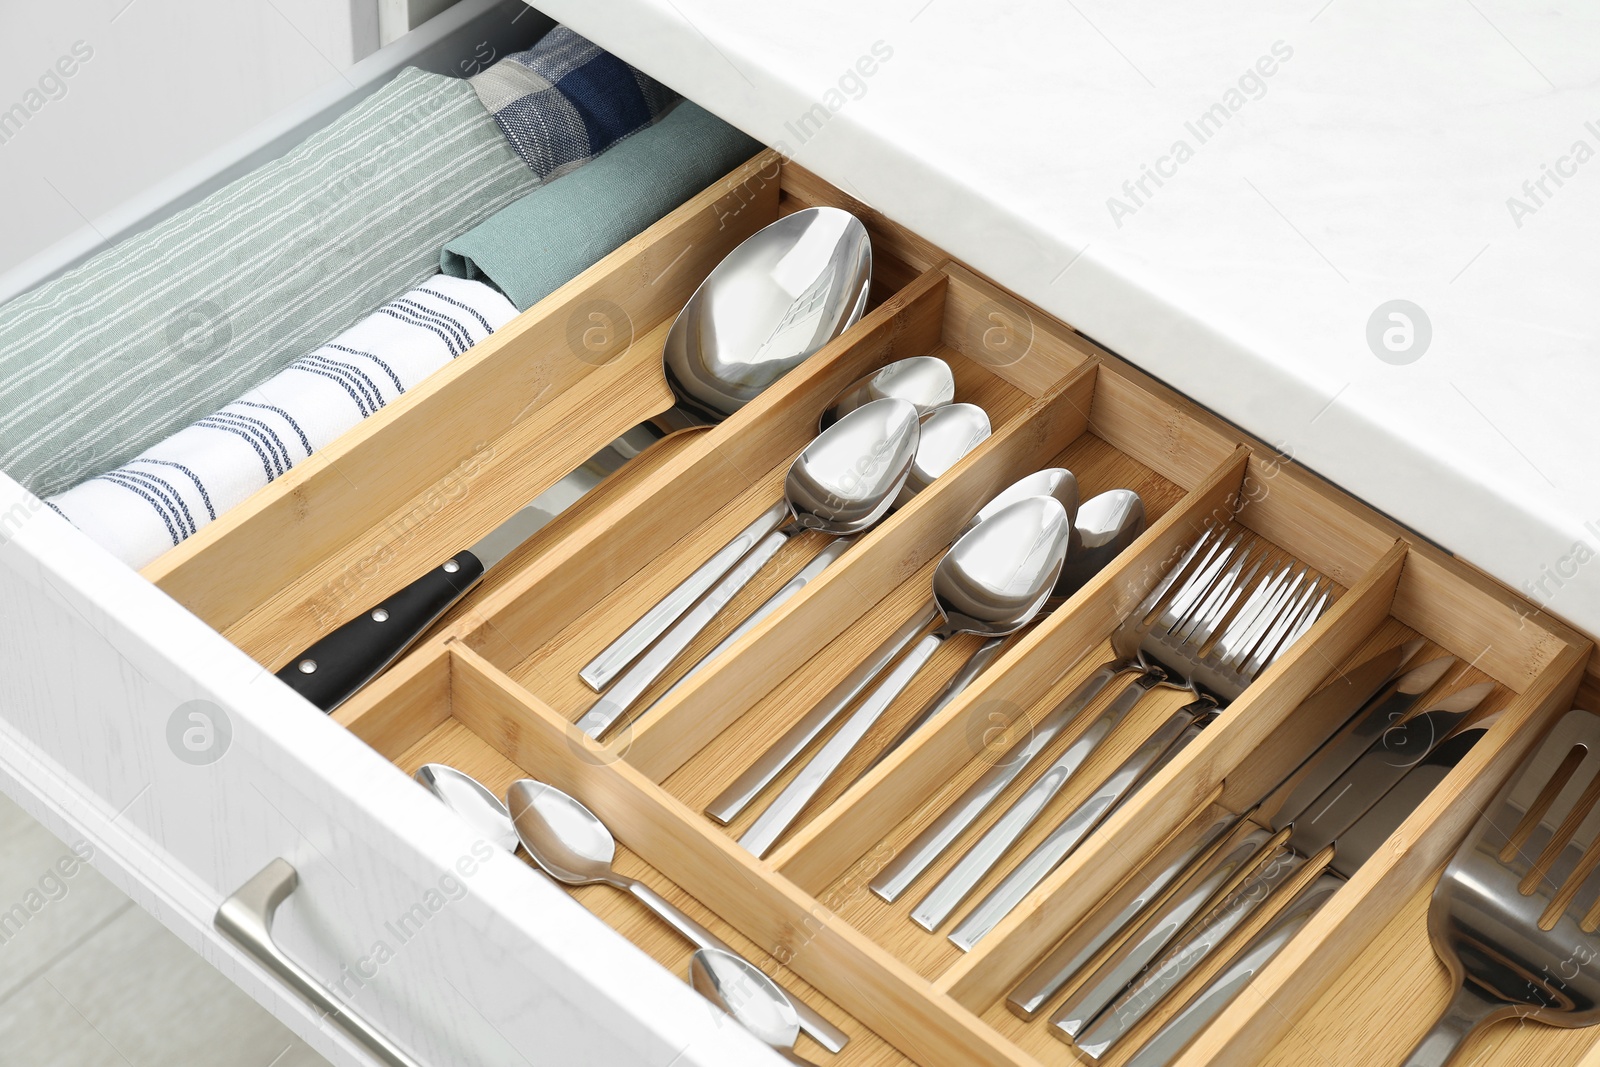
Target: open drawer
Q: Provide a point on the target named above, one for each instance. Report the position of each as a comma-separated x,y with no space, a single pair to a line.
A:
109,675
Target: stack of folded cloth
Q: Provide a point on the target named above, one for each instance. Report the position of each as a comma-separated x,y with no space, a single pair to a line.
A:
167,493
559,106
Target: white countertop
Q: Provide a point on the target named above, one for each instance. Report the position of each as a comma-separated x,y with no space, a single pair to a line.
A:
1374,163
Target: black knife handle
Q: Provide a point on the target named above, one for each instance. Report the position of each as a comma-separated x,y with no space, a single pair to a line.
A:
332,670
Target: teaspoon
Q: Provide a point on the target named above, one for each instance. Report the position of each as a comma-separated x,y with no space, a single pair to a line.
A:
992,581
572,845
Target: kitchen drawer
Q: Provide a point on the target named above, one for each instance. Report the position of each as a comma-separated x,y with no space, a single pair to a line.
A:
140,710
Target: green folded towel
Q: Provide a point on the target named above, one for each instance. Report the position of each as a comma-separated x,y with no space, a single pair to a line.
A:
549,236
174,322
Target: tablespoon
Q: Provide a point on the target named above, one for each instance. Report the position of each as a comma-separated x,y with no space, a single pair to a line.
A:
572,845
1056,482
948,434
1105,525
842,483
926,381
991,582
738,987
771,303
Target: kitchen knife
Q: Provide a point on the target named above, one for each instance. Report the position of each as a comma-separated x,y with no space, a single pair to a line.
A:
1337,704
1319,825
1353,848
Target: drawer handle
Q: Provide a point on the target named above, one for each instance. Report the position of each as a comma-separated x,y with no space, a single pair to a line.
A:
246,919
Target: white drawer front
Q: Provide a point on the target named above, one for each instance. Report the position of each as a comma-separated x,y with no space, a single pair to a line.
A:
459,954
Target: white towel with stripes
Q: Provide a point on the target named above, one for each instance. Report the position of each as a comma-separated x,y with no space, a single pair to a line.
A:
170,491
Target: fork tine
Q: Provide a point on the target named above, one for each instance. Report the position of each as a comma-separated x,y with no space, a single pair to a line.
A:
1199,584
1286,626
1214,611
1183,573
1273,595
1317,597
1206,605
1522,860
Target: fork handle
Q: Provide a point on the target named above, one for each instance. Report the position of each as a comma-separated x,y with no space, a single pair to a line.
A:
1468,1009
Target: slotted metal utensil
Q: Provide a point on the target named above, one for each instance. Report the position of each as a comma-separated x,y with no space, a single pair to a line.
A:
1510,915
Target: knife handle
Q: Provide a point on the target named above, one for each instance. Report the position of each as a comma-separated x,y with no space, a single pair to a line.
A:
332,670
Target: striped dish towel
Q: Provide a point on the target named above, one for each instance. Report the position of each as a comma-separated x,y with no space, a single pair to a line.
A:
169,492
103,362
564,101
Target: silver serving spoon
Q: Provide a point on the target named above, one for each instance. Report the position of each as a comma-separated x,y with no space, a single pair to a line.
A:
991,582
842,483
926,381
1057,482
784,293
572,845
755,1002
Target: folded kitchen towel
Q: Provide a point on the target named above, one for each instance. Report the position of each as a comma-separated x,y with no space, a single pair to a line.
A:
564,101
101,363
167,493
550,235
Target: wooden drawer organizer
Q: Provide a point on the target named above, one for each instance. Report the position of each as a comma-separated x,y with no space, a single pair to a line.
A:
494,689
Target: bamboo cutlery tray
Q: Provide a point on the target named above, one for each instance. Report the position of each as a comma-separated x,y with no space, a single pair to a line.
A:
494,689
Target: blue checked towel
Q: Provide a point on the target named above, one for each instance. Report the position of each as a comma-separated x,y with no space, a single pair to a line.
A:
169,492
564,101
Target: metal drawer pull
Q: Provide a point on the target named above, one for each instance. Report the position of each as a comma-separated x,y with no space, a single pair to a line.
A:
246,919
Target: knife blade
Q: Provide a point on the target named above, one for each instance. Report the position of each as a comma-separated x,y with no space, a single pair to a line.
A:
1355,847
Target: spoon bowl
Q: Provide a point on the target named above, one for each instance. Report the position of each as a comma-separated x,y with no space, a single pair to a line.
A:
926,381
1106,524
947,435
738,987
786,291
1001,572
846,479
472,800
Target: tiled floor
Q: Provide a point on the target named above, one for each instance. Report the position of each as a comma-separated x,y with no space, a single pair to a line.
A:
87,979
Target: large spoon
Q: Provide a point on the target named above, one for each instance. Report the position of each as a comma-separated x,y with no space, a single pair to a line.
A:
1056,482
842,483
572,845
926,381
1103,527
784,293
991,582
738,987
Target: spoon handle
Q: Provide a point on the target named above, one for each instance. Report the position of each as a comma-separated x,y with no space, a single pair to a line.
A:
730,804
820,562
914,859
653,664
979,860
976,664
615,657
783,811
829,1036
